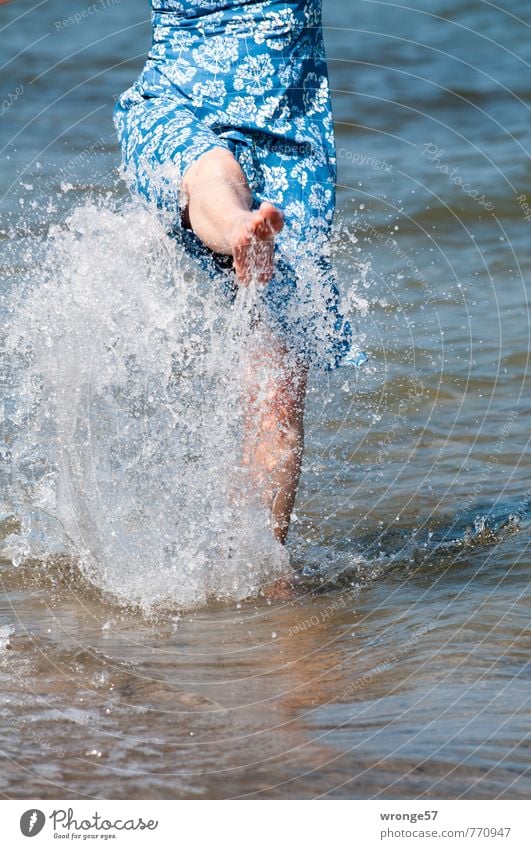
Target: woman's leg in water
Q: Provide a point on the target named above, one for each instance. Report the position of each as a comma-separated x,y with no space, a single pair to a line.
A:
219,212
275,389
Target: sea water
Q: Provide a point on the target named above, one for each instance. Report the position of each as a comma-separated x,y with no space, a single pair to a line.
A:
123,381
401,667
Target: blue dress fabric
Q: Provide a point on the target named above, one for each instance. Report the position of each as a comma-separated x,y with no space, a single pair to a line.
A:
250,77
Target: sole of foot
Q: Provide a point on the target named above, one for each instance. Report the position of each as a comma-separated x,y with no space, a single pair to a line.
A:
252,243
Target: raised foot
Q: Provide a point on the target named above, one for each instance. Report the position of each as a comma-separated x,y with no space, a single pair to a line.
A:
252,243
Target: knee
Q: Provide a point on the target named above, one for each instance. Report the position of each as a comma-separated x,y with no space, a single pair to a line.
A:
216,161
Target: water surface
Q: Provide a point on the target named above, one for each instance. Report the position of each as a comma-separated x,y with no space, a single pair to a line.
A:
401,667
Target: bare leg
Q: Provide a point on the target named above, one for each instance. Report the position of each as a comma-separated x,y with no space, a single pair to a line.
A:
274,437
219,213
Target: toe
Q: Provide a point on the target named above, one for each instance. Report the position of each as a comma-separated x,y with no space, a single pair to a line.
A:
273,215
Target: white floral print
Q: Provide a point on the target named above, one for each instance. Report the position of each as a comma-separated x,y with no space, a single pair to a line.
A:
250,77
216,54
254,75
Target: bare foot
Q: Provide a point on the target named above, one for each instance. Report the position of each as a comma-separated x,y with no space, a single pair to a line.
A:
252,243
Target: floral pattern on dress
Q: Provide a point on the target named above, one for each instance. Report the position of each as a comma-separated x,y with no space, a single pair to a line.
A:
250,77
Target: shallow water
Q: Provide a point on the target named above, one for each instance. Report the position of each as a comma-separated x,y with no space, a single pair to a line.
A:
400,669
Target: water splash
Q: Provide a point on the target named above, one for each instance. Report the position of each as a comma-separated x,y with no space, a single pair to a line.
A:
6,632
122,418
404,550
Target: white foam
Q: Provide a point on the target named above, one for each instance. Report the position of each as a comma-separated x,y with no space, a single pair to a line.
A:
6,632
123,417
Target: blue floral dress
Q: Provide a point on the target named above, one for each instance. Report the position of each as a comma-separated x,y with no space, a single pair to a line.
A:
250,77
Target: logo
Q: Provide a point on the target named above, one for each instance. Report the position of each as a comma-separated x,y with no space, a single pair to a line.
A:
32,822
